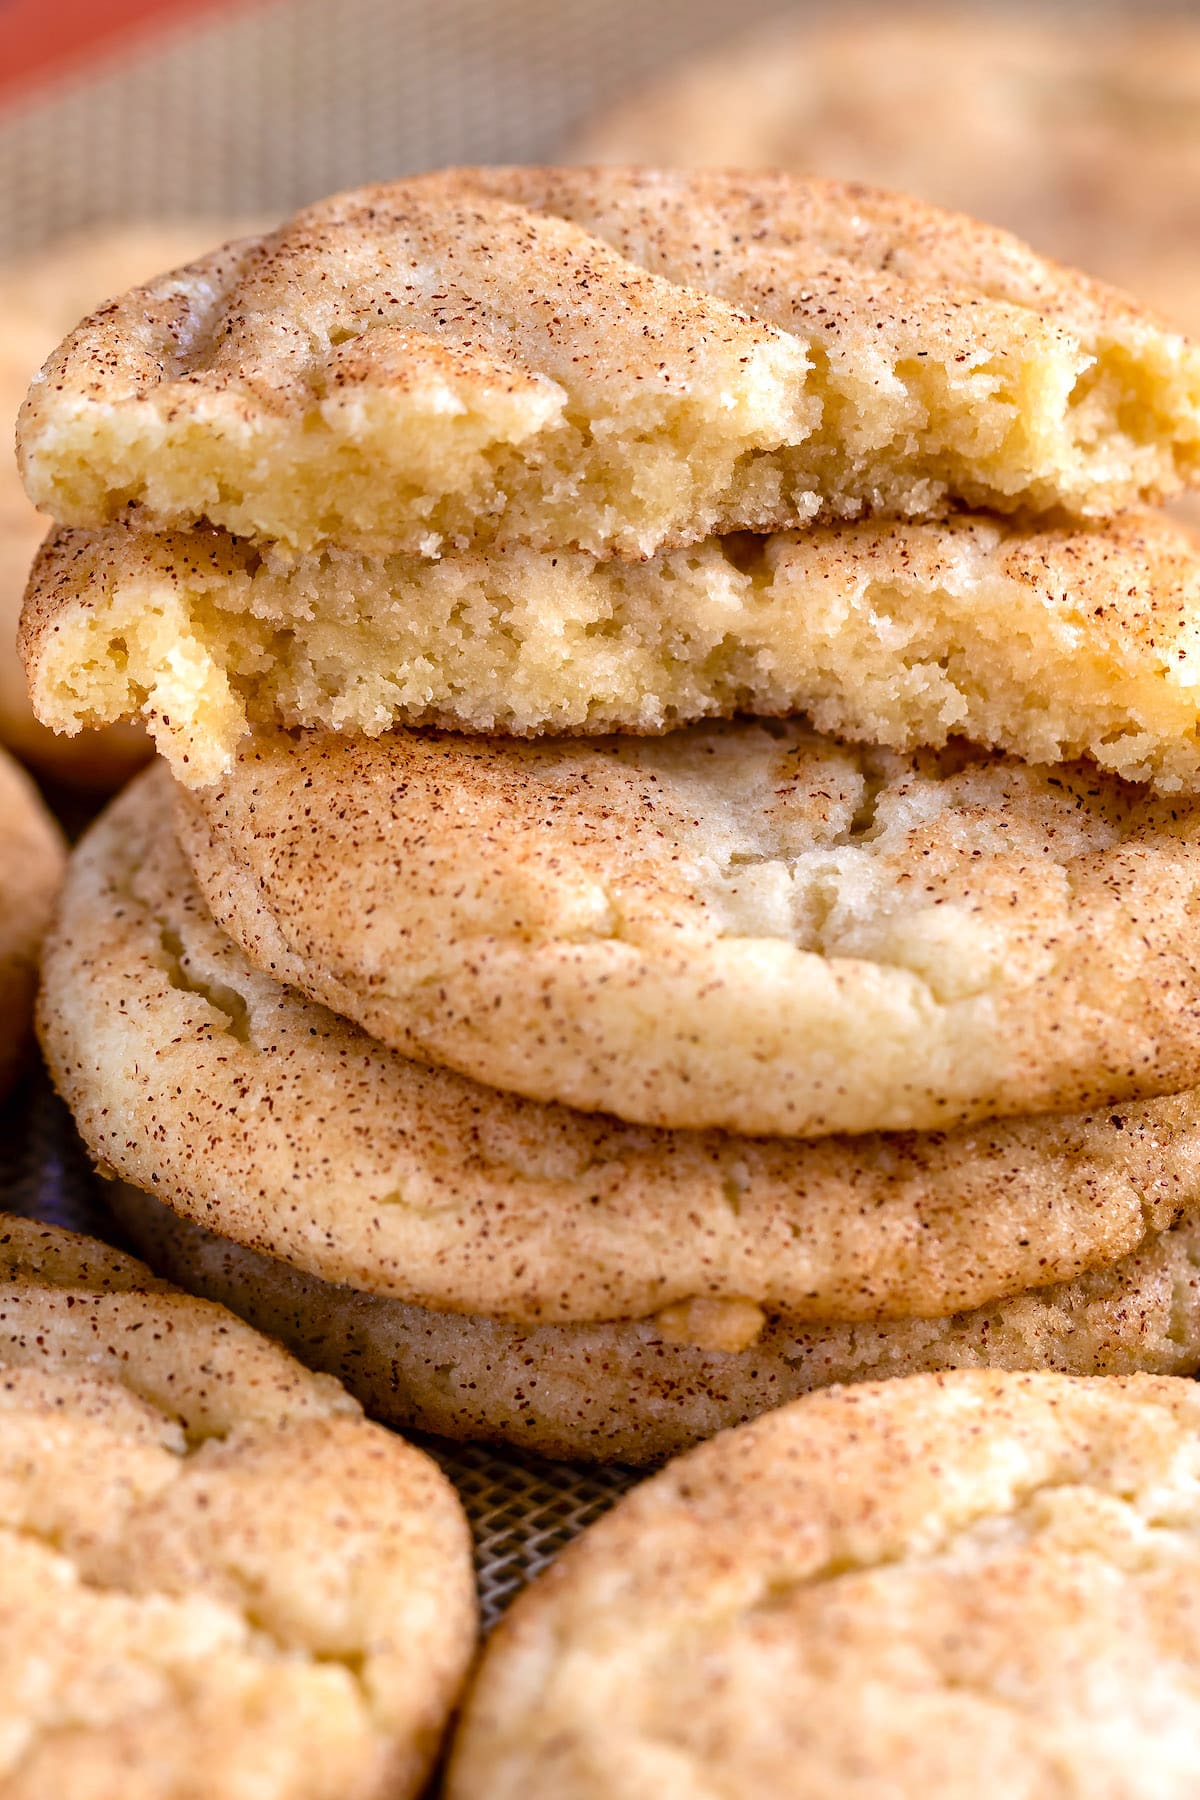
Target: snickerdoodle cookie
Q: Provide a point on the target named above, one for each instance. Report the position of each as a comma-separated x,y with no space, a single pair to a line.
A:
908,1588
250,1109
1049,642
219,1579
42,296
743,925
614,360
637,1391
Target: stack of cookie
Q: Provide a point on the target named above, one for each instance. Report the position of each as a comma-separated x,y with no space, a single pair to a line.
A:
591,1091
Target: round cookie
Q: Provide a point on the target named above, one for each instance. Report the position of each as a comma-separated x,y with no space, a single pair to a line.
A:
880,1590
42,296
625,1391
744,926
1084,142
224,1567
618,361
32,857
894,634
284,1127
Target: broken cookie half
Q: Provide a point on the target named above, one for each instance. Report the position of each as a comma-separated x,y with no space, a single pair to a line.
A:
1052,643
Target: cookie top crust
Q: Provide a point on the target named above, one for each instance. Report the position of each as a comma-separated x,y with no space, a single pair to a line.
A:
614,360
256,1112
878,1589
221,1562
1050,643
746,926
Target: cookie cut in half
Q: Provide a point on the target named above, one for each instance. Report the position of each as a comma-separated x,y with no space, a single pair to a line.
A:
746,926
880,1590
32,858
638,1391
221,1566
282,1126
1049,643
614,360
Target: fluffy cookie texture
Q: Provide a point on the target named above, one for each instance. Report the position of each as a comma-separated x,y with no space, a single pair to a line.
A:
32,857
235,1586
613,360
285,1128
1086,143
879,1591
1049,643
42,296
626,1392
741,925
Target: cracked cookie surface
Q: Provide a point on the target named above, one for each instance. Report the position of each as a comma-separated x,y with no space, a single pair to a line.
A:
1049,643
614,360
238,1588
624,1391
747,925
877,1591
282,1126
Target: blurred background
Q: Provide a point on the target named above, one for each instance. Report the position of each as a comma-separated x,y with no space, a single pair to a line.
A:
117,107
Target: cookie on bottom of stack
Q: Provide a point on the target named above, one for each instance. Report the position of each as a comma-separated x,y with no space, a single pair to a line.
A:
880,1590
223,1567
599,1252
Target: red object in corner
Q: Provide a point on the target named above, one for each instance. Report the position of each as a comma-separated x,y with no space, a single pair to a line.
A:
41,39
